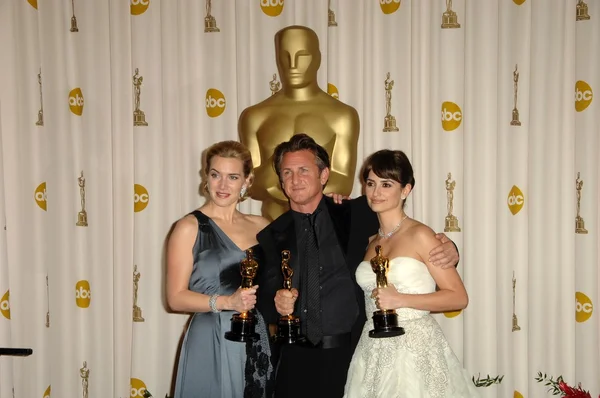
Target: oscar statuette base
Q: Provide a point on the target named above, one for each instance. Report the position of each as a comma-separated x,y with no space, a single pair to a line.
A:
288,330
515,118
210,24
40,121
331,19
82,219
242,328
139,118
582,12
74,27
137,314
450,20
385,324
451,224
515,324
580,226
390,124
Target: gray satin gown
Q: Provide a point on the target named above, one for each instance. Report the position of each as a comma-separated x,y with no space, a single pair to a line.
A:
211,366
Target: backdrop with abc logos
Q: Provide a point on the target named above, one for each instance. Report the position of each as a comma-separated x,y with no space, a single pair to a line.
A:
493,102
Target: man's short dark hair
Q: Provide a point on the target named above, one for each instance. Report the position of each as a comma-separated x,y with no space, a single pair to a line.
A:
300,142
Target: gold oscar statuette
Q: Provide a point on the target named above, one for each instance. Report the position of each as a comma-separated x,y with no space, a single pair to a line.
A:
451,224
582,11
515,322
515,112
389,122
385,321
243,324
274,84
82,215
579,223
137,311
300,106
330,16
84,373
47,303
288,326
73,19
40,121
210,23
449,18
139,118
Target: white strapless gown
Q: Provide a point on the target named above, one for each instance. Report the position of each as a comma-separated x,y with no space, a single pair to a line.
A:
420,363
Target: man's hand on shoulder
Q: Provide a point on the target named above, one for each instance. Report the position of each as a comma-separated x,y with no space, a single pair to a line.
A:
338,198
444,255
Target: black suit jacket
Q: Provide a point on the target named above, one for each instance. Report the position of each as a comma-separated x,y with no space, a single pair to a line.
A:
353,222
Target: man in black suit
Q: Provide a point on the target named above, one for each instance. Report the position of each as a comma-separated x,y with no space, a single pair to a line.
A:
327,241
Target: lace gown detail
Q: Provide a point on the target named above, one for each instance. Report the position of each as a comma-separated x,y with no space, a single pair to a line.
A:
419,363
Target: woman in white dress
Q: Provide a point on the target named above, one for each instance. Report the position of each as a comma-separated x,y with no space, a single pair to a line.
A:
419,363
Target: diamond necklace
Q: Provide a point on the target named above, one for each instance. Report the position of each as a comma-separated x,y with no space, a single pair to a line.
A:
385,236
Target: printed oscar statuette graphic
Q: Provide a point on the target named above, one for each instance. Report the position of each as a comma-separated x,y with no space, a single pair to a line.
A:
579,223
288,326
330,16
210,23
40,121
47,303
389,120
582,11
274,84
515,322
242,324
137,311
515,112
451,224
82,215
449,18
84,373
385,321
73,19
139,118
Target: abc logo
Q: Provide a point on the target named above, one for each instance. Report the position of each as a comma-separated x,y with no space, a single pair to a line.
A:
139,6
140,197
583,307
76,101
5,305
518,2
138,388
333,91
515,200
47,392
271,7
452,314
389,6
215,102
83,294
451,116
583,95
33,3
40,196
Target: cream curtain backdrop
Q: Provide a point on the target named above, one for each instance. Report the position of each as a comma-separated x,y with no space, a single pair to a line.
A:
515,195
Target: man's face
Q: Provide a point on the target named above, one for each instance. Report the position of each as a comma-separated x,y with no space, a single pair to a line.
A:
298,58
300,177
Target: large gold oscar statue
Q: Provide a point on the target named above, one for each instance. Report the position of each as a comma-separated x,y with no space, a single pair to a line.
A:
299,107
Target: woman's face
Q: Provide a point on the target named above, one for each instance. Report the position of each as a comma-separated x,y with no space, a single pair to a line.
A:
225,180
384,194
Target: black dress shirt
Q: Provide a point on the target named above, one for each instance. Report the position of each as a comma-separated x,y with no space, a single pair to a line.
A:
339,307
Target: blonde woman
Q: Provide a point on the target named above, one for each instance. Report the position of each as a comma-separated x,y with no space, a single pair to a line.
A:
203,277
